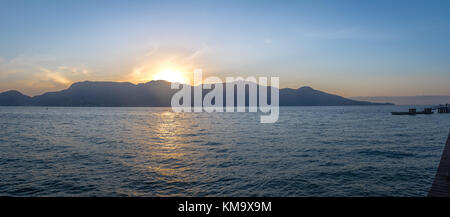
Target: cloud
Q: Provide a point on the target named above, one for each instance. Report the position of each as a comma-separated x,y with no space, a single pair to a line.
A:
267,41
73,70
54,76
35,75
353,33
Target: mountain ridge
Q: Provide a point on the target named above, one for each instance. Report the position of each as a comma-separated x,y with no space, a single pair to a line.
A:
156,93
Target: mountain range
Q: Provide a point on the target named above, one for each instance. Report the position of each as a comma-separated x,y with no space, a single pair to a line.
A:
154,94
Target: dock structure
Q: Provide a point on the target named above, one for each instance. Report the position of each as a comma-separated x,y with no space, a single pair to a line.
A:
443,108
441,184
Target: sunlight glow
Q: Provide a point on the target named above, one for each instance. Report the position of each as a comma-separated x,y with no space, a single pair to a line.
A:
171,76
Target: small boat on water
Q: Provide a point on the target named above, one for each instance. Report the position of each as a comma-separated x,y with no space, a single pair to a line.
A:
443,108
413,111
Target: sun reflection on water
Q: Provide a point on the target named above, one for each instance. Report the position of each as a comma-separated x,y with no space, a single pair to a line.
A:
169,153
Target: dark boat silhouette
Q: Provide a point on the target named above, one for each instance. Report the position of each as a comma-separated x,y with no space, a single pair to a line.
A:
443,108
426,111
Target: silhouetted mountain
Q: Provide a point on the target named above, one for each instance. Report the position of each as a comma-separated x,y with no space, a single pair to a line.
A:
306,96
14,98
153,94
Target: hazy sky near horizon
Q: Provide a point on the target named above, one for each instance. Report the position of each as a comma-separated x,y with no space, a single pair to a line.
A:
351,48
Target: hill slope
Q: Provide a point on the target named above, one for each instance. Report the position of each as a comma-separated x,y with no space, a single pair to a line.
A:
14,98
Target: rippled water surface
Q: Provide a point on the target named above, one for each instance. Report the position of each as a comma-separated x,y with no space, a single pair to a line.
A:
310,151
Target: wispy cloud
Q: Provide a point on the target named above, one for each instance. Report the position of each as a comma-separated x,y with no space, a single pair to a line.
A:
73,70
351,33
35,75
267,41
54,76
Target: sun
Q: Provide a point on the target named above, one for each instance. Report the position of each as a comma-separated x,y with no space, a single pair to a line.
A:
171,76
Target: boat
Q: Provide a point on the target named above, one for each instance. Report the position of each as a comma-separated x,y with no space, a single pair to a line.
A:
427,111
443,108
413,111
402,113
409,112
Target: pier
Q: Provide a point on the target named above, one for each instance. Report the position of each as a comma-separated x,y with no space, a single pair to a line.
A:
441,184
427,111
443,108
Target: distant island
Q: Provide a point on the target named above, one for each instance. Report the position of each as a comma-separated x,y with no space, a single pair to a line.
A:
407,100
153,94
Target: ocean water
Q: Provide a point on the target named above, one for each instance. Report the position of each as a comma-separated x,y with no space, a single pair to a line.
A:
310,151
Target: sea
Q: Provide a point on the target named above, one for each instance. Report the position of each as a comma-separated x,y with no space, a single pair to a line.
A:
310,151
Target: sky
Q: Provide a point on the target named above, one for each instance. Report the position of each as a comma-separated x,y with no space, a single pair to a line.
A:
350,48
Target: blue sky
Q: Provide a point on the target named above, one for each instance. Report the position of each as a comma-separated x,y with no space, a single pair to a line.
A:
352,48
